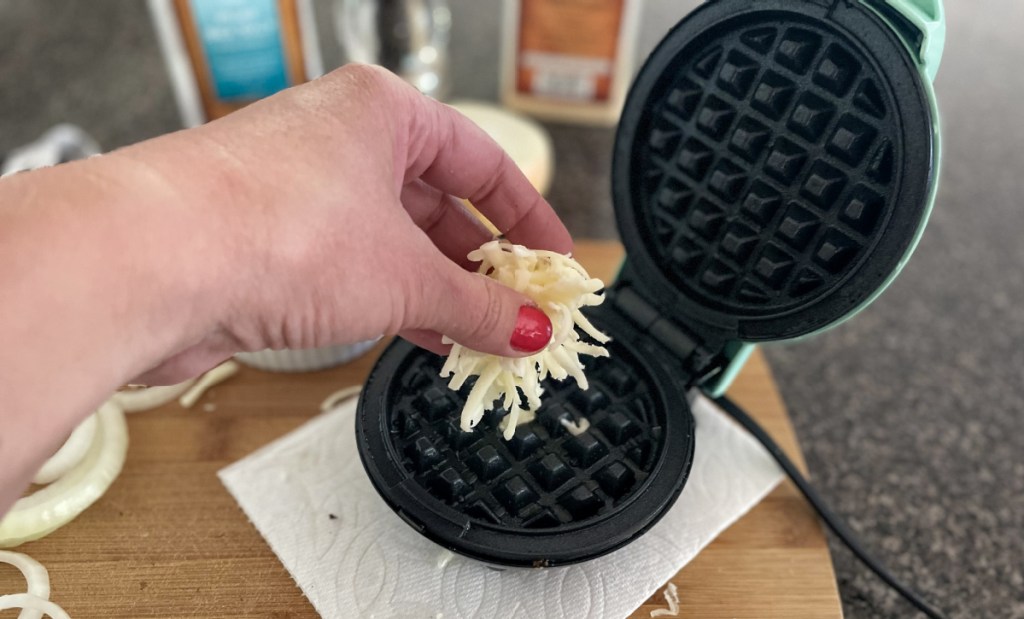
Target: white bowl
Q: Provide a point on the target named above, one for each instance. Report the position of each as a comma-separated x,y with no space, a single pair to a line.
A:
304,360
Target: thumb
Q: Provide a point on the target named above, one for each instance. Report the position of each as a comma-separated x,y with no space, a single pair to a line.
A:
481,314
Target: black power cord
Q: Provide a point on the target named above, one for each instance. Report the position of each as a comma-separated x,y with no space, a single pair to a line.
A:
838,526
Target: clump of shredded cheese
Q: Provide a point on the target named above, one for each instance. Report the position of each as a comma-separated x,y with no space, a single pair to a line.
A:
560,287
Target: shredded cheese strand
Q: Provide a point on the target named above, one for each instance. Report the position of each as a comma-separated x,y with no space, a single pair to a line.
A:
672,599
445,558
559,286
573,427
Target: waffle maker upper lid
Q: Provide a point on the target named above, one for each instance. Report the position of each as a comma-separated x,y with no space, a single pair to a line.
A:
774,165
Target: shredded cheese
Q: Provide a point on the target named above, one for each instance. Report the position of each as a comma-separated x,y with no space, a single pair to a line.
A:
522,419
560,287
575,427
445,557
672,599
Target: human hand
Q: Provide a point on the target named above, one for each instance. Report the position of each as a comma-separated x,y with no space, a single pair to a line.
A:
335,207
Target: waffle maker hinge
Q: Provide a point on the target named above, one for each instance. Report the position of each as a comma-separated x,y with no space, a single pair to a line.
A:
700,356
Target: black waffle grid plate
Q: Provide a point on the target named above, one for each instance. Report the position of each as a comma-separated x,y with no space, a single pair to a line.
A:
543,476
771,166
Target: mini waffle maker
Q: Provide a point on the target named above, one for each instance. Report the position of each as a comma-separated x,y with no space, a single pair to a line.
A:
774,166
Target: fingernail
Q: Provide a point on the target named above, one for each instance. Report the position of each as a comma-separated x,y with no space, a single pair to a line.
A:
533,330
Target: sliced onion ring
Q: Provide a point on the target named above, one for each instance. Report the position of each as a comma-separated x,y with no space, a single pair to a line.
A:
45,511
151,397
37,579
212,378
33,603
70,453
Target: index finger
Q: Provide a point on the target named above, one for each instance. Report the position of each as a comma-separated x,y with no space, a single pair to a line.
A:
459,158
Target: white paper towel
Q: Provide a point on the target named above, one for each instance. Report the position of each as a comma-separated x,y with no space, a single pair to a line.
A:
365,562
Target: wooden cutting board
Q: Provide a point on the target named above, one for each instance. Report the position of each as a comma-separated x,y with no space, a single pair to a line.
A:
169,541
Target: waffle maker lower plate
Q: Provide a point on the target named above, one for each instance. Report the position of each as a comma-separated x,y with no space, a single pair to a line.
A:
545,497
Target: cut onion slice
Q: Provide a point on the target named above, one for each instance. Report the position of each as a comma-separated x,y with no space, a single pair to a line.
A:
33,603
45,511
37,579
70,453
212,378
151,397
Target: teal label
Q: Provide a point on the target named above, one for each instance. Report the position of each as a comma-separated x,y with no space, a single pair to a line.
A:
244,47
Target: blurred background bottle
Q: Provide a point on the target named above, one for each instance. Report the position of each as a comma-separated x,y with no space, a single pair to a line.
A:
568,60
408,37
224,54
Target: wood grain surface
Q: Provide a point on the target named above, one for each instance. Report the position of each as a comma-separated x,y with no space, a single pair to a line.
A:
169,541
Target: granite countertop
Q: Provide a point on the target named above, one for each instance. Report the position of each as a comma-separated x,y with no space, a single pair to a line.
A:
909,415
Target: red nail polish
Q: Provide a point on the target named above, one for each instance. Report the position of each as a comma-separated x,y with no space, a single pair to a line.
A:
533,330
